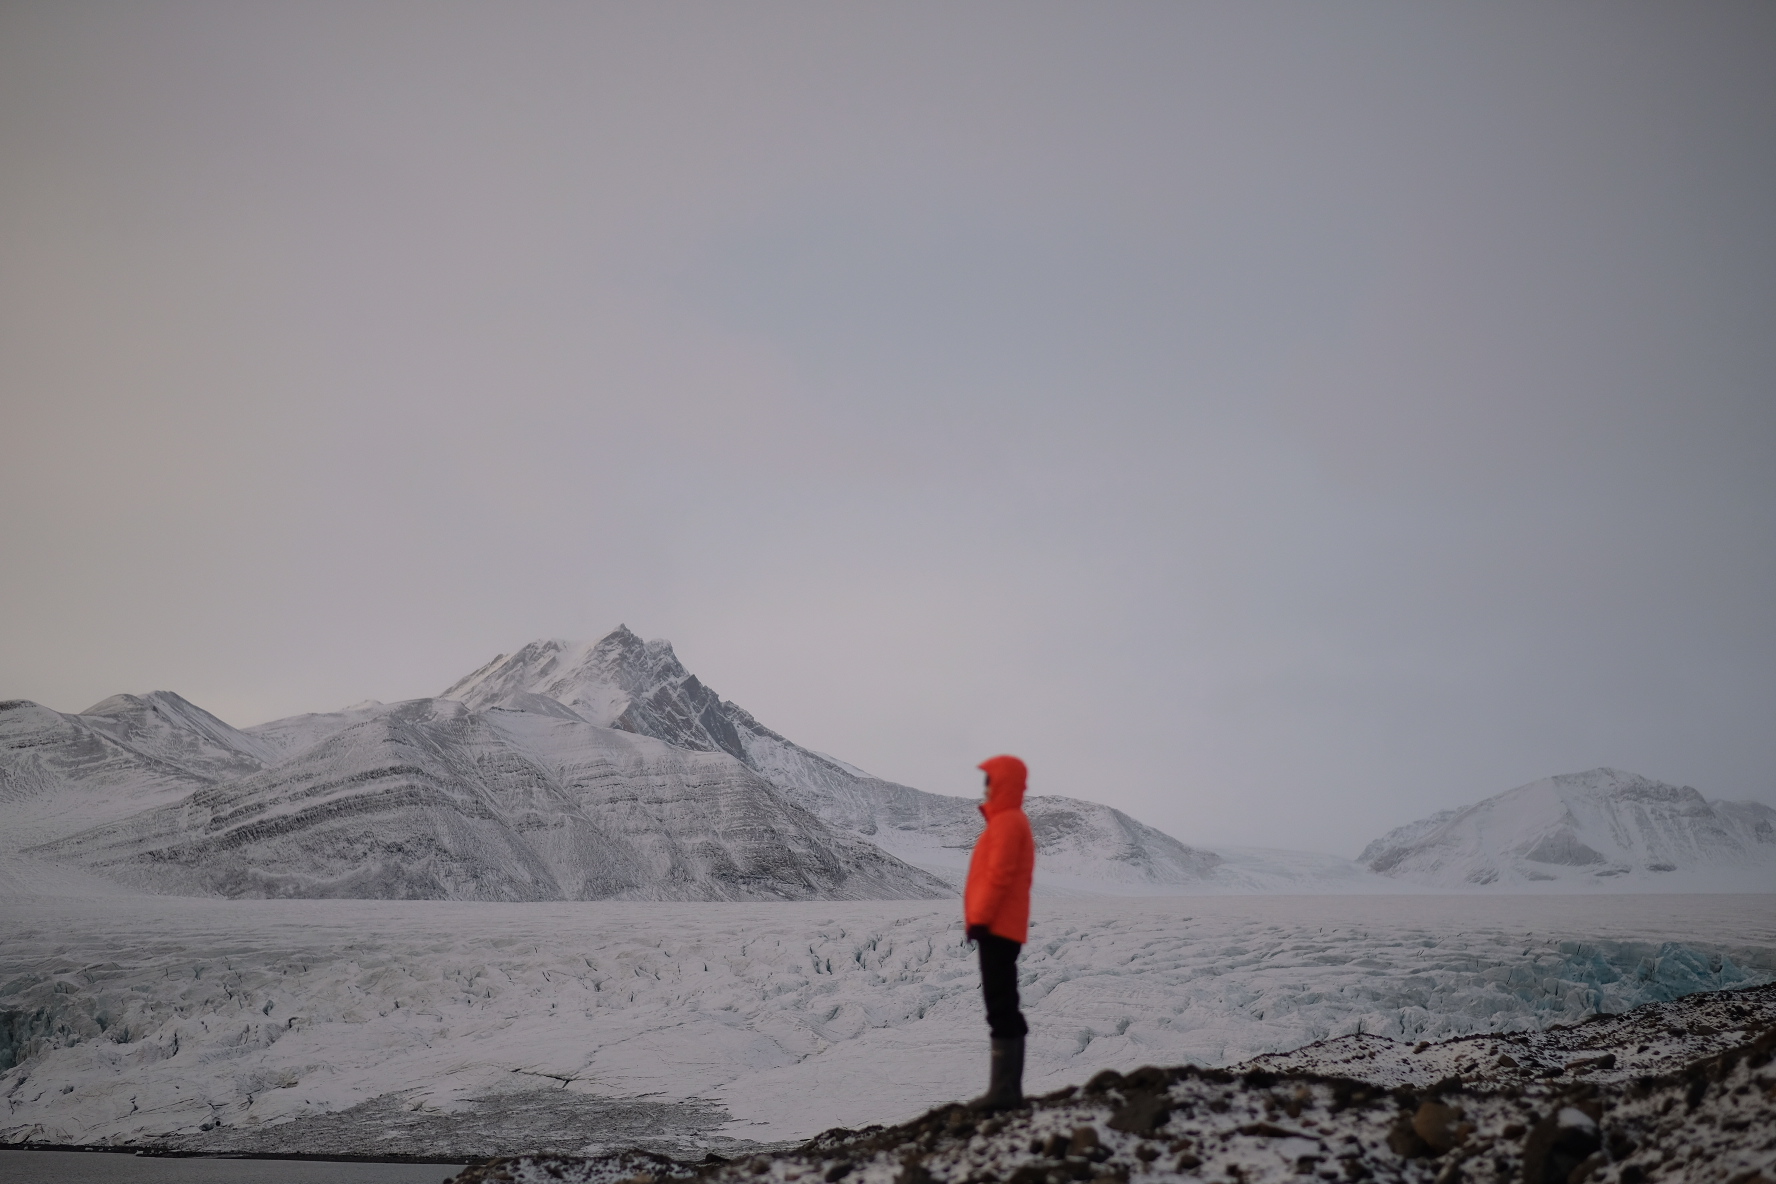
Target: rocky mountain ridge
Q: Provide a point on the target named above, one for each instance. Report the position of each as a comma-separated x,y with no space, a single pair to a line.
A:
563,771
640,686
424,799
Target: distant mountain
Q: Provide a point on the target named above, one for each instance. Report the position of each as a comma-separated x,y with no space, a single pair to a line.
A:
600,770
638,686
1603,828
420,799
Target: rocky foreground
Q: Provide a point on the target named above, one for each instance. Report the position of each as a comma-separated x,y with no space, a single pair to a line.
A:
1679,1091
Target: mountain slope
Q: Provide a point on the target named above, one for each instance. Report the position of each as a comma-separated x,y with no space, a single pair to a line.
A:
640,686
166,727
425,799
1602,827
61,772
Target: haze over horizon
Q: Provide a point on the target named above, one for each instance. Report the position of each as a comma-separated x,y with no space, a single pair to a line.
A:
1278,423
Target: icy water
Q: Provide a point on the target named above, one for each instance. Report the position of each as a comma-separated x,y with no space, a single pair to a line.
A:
92,1167
382,1027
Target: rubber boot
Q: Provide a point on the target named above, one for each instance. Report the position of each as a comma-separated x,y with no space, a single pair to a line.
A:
1005,1090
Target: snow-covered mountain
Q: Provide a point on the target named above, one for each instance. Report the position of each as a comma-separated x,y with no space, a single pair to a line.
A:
567,770
418,799
632,685
606,770
1602,828
62,772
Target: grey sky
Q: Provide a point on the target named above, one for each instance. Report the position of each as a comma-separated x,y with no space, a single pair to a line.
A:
1279,421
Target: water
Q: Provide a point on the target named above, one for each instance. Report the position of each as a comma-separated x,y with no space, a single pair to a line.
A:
99,1167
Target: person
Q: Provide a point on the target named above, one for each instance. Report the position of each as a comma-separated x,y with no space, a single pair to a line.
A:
996,912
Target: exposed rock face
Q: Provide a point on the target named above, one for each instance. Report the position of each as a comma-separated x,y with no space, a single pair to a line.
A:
617,682
1598,826
642,687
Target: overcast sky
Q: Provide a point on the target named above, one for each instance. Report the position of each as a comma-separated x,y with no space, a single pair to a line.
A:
1278,421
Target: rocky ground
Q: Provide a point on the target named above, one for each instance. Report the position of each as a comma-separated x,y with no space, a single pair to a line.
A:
1671,1092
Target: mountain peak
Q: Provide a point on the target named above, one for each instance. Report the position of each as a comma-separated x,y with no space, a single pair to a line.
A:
618,681
167,726
633,663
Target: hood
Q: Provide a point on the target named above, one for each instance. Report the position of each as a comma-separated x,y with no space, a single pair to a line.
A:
1005,784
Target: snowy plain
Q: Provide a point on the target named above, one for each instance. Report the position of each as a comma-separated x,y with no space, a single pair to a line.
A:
405,1027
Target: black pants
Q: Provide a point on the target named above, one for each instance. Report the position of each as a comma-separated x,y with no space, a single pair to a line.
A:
998,958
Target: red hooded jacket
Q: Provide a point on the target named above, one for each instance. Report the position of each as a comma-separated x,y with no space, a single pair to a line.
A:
998,892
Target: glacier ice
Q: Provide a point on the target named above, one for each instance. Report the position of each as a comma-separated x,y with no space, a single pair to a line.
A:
206,1023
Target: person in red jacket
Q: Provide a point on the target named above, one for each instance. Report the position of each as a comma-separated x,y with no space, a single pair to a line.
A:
996,911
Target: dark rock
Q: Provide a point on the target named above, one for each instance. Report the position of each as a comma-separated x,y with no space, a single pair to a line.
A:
1142,1113
1148,1077
1606,1061
1104,1082
1435,1123
1590,1164
913,1171
1559,1143
1406,1142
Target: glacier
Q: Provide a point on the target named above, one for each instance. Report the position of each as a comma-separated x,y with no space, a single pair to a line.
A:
289,1025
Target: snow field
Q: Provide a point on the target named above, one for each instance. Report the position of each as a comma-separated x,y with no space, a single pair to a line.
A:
194,1021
